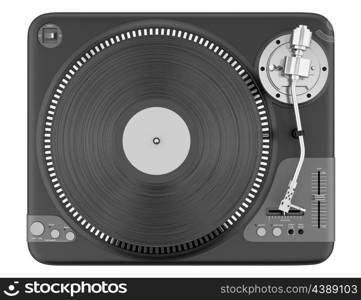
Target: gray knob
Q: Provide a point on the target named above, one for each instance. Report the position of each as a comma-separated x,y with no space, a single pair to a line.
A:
55,233
277,231
70,236
37,228
261,231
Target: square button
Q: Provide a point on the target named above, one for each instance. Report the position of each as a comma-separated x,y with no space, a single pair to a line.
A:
50,35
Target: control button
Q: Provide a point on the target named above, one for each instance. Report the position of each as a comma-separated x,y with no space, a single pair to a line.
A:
277,231
70,236
37,228
50,35
55,233
261,231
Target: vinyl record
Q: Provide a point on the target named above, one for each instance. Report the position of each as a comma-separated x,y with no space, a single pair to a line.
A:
156,141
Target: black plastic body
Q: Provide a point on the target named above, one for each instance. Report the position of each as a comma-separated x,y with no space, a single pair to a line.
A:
247,33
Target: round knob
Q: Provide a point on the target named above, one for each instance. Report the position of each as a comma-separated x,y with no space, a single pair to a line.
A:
37,228
261,231
55,233
277,231
70,236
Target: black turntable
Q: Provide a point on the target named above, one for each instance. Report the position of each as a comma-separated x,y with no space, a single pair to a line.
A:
180,138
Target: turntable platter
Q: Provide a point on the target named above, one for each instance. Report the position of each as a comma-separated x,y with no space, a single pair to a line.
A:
156,140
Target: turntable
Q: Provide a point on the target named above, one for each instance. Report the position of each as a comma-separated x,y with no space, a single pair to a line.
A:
180,138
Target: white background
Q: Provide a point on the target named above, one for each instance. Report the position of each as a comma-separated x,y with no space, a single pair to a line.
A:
15,19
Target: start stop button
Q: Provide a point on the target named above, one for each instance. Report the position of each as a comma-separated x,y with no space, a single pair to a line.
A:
50,35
